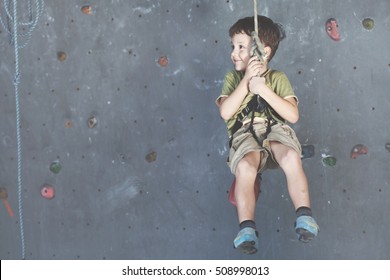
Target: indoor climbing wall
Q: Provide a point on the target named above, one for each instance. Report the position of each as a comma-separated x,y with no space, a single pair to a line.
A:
123,151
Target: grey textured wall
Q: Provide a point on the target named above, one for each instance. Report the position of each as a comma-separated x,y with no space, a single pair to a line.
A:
149,181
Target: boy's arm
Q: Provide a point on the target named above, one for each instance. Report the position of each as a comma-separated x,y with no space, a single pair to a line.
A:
229,105
287,108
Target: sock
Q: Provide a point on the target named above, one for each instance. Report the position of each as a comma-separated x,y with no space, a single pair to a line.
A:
247,223
303,211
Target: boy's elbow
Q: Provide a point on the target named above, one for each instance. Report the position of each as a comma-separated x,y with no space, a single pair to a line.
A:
222,110
294,119
293,115
224,115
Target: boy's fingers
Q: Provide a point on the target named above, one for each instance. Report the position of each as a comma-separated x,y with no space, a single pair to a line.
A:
253,58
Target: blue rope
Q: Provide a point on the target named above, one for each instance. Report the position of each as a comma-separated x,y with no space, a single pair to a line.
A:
16,84
14,40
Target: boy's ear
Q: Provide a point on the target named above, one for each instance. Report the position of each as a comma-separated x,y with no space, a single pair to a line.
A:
267,52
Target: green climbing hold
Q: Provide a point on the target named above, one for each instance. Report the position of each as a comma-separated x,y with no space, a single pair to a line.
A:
368,23
329,161
55,167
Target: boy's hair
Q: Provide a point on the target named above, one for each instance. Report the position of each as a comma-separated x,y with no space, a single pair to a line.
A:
270,33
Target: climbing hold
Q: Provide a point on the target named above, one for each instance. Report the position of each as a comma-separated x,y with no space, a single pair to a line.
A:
122,158
3,193
152,156
357,150
55,167
61,56
92,122
328,160
368,23
387,147
307,151
86,9
3,197
47,191
68,124
332,28
256,188
163,61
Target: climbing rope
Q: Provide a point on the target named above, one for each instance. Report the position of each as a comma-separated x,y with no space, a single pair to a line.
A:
12,29
255,16
258,48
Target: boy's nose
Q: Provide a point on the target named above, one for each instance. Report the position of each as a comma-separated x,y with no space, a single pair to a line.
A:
234,53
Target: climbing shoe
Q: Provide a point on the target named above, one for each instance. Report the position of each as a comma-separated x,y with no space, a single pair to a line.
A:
246,241
306,228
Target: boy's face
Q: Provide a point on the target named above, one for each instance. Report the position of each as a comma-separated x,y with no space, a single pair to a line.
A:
241,46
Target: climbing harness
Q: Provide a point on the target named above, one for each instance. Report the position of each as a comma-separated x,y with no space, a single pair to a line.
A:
259,105
12,28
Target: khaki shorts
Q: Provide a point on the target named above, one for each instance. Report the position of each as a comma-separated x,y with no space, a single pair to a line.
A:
244,142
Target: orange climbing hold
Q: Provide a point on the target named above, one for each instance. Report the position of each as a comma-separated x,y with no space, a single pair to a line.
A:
357,150
61,56
163,61
86,9
68,124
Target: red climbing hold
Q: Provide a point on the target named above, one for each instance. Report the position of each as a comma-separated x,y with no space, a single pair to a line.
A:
256,186
332,28
4,196
357,150
47,191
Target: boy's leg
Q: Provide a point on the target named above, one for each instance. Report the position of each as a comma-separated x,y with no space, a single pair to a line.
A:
246,172
291,163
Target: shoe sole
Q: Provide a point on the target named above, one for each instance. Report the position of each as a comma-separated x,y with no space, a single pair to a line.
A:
247,247
305,236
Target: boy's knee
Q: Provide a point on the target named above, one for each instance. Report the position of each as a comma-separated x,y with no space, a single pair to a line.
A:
246,168
289,157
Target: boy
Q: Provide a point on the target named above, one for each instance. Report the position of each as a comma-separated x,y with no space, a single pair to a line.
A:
256,102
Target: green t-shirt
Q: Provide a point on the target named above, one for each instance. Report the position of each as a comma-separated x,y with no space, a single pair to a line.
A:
277,81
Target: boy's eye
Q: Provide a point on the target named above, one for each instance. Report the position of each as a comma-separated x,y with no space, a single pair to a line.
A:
239,47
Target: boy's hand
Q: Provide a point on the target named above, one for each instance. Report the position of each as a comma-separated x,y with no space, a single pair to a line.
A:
253,68
257,85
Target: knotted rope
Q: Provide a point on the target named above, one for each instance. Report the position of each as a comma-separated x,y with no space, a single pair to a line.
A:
258,48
